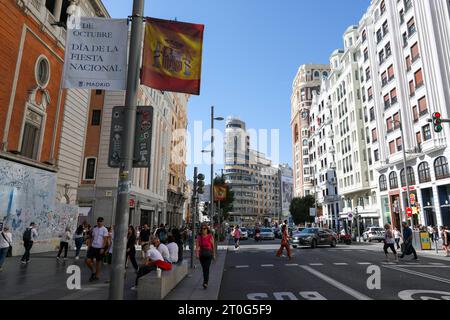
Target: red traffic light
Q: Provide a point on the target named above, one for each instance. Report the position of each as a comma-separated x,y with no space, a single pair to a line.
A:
436,115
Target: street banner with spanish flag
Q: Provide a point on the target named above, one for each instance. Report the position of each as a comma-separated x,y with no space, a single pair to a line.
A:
172,58
220,192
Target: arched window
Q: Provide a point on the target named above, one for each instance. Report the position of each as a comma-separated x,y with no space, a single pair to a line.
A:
441,168
411,177
305,142
424,172
90,166
393,181
383,183
325,74
316,74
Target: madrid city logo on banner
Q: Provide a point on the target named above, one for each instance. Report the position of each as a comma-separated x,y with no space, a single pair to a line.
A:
172,57
96,54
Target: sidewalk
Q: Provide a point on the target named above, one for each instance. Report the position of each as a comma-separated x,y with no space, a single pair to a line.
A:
191,288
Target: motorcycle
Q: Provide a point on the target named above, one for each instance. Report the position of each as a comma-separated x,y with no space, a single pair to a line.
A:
347,238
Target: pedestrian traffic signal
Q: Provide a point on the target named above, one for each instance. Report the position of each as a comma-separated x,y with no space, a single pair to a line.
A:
437,122
201,183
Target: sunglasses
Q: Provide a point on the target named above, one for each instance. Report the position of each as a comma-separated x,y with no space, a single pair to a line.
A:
204,228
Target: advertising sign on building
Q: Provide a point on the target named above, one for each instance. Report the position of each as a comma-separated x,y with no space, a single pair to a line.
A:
96,54
287,190
142,141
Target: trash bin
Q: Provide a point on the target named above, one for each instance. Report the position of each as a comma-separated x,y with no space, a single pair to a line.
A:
425,240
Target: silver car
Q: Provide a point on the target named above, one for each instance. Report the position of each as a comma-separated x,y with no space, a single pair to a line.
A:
267,234
244,233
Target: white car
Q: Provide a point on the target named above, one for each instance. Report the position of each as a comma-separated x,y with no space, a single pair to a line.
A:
374,233
267,234
244,233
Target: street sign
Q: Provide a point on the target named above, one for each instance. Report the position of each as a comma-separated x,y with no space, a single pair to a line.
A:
142,141
409,212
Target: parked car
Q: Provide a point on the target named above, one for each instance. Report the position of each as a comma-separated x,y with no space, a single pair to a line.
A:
244,233
251,232
267,234
314,237
373,233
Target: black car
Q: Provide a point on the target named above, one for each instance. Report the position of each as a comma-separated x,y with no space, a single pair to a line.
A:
314,237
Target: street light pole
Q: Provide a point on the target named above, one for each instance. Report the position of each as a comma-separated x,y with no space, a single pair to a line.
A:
405,170
123,195
211,213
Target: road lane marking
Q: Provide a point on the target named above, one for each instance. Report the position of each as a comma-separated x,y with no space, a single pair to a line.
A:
240,267
364,263
291,264
267,265
420,266
437,264
316,264
336,284
340,264
419,274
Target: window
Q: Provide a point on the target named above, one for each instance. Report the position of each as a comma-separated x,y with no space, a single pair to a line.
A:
441,168
96,116
384,79
376,154
419,78
381,56
415,52
396,121
387,101
388,50
412,88
408,63
411,27
379,36
31,135
423,108
392,147
383,183
364,36
385,28
393,181
372,114
411,177
398,143
42,71
374,135
367,74
366,54
394,96
391,72
382,7
419,138
89,169
389,125
426,132
402,16
370,93
415,114
424,172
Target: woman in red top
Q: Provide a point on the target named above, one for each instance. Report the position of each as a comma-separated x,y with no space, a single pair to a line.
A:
205,251
284,243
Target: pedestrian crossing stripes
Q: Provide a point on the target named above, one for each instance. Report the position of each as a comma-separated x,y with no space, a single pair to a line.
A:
267,265
291,264
316,264
364,263
340,264
241,267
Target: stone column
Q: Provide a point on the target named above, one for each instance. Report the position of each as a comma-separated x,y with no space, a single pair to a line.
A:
437,205
57,9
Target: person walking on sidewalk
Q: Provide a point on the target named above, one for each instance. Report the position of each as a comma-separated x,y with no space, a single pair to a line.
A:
64,243
205,251
29,236
445,240
78,237
397,237
5,244
407,241
389,242
98,245
131,249
236,234
284,242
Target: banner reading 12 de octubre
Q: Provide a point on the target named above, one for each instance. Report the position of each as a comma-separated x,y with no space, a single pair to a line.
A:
96,54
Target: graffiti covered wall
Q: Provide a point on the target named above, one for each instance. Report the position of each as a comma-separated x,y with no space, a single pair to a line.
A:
28,195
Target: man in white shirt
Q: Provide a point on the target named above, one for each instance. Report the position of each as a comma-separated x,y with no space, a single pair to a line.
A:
162,248
98,246
5,242
173,249
152,255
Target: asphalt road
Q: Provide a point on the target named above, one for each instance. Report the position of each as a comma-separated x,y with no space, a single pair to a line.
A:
357,272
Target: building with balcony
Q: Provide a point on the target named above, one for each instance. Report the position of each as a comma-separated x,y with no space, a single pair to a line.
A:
307,81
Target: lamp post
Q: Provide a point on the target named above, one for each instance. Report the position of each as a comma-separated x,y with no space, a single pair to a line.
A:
212,159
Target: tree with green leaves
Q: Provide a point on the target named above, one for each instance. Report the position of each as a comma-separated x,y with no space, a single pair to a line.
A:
299,209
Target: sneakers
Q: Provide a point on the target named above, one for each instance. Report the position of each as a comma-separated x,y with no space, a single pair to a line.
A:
134,288
65,259
93,278
23,262
205,285
58,258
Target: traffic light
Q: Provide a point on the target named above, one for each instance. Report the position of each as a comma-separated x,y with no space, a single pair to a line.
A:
437,122
201,183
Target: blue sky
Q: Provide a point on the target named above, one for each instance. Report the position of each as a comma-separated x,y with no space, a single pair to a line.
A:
252,51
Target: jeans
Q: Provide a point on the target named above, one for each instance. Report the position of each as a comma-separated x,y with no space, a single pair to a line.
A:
132,255
206,263
409,246
143,270
63,245
3,253
78,245
389,245
27,245
180,251
397,242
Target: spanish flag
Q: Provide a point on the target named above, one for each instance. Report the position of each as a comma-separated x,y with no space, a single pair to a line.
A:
172,59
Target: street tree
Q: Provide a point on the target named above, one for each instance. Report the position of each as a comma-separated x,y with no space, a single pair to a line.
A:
299,209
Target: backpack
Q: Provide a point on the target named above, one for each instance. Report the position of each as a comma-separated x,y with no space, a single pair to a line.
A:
27,235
